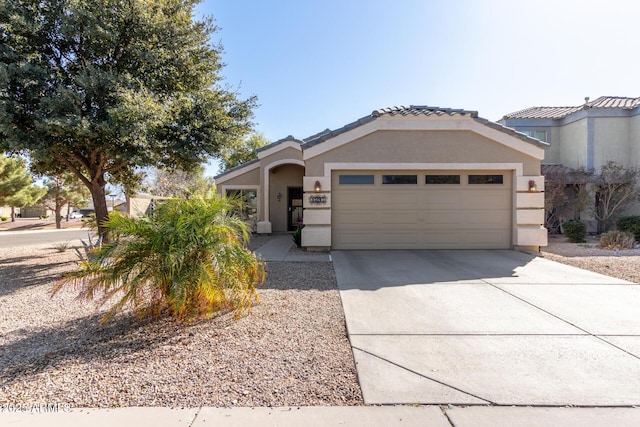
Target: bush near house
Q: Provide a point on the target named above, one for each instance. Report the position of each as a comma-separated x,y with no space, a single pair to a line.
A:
617,240
630,224
188,259
575,230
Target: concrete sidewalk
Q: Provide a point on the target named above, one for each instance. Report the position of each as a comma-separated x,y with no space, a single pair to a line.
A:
341,416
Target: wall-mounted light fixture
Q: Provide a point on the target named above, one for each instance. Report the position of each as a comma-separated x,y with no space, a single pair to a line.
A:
317,187
279,196
532,186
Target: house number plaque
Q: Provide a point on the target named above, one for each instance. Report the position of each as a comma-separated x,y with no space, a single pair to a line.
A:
317,199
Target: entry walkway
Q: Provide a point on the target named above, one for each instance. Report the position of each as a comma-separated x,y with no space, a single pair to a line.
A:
279,248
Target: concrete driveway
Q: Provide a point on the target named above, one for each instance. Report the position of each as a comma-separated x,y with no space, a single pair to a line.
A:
488,327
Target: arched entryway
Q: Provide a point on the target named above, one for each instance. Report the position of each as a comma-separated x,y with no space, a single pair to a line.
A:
284,195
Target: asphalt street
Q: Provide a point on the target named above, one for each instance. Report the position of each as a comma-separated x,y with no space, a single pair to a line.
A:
11,239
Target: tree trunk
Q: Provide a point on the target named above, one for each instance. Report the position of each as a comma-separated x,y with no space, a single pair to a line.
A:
102,212
58,216
68,210
13,214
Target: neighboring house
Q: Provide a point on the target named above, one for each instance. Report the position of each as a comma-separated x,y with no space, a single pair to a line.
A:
585,136
36,211
400,178
139,205
588,135
6,211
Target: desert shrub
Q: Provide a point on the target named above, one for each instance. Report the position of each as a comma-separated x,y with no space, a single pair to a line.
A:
61,247
297,236
4,218
188,259
630,224
575,230
617,240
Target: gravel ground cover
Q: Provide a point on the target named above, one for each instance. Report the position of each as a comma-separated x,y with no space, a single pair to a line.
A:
291,350
622,264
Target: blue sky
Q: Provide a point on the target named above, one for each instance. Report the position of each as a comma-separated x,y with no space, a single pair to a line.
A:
317,64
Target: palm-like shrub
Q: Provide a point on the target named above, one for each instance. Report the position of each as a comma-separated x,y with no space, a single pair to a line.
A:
188,258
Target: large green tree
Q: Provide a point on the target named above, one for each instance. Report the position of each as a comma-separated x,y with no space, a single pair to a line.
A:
242,151
104,87
16,185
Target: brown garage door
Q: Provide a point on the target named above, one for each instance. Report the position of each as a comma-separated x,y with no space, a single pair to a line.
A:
421,209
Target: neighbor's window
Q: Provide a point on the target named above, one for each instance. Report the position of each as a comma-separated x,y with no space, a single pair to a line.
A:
442,179
249,203
356,179
485,179
399,179
538,134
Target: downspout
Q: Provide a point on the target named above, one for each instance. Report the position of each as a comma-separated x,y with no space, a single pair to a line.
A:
590,142
590,134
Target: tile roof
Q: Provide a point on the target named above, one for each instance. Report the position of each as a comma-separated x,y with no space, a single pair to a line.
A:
414,110
422,109
278,142
624,103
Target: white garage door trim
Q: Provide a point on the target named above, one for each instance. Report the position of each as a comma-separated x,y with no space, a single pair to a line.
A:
516,167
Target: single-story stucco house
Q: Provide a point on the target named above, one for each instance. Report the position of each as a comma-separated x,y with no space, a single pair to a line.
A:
414,177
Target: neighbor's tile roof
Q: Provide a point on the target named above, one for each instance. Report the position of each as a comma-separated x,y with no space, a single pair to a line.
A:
615,102
562,112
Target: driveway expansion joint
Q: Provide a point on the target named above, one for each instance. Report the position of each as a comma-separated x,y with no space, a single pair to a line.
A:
423,376
599,337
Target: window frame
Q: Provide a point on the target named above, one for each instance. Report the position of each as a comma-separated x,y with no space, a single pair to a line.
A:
400,175
373,179
426,179
489,179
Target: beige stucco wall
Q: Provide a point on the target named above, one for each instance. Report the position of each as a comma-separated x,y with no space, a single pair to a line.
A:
285,154
423,146
573,144
611,141
280,178
249,178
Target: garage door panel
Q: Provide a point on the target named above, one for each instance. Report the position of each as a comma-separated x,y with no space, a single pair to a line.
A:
399,218
401,199
470,219
362,240
363,200
359,218
424,216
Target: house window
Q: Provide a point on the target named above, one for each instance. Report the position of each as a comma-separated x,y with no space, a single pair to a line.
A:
248,203
399,179
538,134
356,179
485,179
442,179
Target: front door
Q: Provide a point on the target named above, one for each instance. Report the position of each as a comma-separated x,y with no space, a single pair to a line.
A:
294,207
